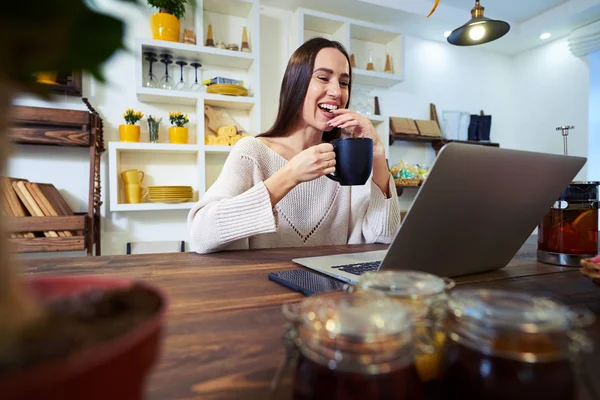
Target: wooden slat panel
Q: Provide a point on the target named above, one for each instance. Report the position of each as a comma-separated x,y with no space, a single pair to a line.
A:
45,244
46,136
36,115
26,224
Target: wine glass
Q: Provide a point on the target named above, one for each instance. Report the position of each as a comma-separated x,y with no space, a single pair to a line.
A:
180,85
150,81
196,86
166,82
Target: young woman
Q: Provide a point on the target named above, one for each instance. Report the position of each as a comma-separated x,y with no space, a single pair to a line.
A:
272,191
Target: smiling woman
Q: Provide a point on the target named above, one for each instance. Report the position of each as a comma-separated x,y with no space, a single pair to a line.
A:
273,190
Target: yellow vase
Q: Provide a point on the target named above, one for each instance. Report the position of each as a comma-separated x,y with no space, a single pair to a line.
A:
129,133
178,135
164,27
46,77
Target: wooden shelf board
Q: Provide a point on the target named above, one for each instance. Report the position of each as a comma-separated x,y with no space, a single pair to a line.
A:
47,244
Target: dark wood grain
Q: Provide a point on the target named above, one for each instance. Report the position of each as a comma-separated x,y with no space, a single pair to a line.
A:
50,116
51,137
23,224
47,244
224,324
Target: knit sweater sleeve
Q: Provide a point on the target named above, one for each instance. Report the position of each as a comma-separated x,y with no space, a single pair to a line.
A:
236,207
376,218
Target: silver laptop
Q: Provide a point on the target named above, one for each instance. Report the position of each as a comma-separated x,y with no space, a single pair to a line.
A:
472,214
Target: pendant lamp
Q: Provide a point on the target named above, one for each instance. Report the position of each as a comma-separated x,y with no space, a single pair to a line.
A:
478,30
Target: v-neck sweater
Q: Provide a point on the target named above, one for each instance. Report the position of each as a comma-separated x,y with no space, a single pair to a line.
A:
236,212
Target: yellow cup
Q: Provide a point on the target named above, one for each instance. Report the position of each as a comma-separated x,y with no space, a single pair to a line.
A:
178,134
129,133
133,177
134,193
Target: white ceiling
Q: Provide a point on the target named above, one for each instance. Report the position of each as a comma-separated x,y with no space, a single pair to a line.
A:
528,18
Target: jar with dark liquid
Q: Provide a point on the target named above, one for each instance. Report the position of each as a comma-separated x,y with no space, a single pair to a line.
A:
353,346
507,345
569,230
424,296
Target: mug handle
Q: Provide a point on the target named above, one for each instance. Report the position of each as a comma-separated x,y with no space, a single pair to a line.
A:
143,191
333,177
141,176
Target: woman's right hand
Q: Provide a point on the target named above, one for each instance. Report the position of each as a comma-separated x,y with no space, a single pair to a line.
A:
312,163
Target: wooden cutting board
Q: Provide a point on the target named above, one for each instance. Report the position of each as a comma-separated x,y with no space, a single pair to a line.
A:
403,126
58,202
44,204
30,204
14,204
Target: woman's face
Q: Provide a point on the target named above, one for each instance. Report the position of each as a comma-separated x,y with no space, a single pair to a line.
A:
328,88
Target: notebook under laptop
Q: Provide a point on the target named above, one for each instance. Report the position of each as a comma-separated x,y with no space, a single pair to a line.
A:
472,214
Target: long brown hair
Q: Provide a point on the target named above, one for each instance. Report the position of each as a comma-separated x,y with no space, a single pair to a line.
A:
295,85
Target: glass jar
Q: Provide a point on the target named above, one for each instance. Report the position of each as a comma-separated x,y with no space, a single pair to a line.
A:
353,346
424,296
569,230
508,345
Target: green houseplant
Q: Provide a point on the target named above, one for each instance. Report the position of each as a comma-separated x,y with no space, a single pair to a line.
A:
56,36
165,23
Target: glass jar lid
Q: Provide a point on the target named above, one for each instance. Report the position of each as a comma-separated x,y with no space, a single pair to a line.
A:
505,310
360,317
412,284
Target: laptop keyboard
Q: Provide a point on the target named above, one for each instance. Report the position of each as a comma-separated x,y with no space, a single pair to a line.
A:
359,268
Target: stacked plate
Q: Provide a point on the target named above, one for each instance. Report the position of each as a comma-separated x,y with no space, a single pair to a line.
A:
170,194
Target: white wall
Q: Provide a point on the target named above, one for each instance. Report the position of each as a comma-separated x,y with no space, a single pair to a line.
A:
527,97
551,88
452,78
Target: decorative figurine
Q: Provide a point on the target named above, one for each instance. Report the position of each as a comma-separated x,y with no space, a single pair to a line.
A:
245,44
210,41
189,36
388,64
370,64
352,61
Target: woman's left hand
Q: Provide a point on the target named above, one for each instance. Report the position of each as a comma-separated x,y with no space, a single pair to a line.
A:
359,125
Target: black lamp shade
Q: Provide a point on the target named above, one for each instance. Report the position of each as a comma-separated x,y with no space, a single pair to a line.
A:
494,29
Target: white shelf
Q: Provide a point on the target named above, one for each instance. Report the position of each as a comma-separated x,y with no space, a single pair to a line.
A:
238,8
152,206
374,78
220,100
154,147
150,95
210,149
202,54
377,119
372,33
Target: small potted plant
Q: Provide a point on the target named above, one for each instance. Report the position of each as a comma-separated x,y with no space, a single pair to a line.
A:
178,133
130,132
165,23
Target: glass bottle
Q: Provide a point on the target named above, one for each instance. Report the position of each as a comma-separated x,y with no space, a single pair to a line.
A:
424,296
353,346
508,345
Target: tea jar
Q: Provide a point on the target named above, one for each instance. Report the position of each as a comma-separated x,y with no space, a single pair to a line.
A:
424,297
509,345
568,232
352,346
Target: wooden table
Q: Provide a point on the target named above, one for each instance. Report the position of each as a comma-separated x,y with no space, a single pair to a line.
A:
225,322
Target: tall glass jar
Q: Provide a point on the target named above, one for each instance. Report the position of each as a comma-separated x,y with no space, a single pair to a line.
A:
424,296
353,346
507,345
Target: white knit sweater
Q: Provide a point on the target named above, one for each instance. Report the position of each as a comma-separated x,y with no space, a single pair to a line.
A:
236,212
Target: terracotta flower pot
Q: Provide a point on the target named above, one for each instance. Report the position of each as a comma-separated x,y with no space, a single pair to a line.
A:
178,134
164,27
114,369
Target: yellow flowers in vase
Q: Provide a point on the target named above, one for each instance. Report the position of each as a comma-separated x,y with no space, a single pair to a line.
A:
130,132
178,134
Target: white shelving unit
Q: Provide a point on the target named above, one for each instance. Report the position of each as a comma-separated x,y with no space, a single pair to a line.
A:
194,164
363,39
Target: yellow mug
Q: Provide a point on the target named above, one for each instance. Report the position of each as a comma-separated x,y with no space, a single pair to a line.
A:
132,176
134,193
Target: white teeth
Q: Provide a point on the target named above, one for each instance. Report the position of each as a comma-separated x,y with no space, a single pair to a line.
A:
328,106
